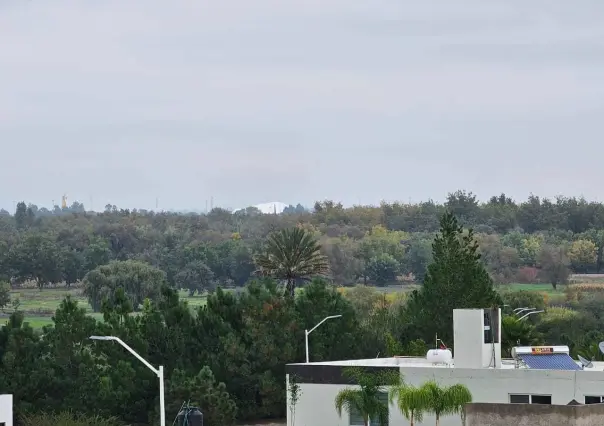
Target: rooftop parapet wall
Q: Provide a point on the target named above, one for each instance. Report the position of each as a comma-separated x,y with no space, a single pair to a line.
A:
534,415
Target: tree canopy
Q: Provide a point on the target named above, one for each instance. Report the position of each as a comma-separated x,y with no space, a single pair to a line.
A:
182,290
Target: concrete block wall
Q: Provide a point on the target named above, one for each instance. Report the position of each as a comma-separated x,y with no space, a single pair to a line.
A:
534,415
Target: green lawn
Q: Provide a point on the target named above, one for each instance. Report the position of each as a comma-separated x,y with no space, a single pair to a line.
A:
542,288
40,306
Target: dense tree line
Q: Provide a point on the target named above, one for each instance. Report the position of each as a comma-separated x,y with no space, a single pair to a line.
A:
539,240
229,356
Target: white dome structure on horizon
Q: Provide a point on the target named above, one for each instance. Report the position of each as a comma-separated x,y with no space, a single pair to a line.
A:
269,208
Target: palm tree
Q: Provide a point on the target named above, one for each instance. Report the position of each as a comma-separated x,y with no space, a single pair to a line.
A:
291,255
517,333
443,401
366,399
412,401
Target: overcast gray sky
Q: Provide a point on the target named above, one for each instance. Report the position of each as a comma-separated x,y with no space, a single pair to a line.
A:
298,100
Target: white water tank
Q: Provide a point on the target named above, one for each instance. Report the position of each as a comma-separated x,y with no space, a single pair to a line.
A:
439,356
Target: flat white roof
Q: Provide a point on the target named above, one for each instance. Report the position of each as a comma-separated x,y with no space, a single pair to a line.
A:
410,362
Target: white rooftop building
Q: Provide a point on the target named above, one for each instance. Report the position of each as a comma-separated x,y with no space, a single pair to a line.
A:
538,375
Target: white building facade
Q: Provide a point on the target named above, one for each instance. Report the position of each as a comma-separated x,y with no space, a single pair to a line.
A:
537,375
6,410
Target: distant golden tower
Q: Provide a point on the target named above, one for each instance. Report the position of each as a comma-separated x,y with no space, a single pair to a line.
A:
64,201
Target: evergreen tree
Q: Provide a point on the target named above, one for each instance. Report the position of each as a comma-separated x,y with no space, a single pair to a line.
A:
21,215
455,279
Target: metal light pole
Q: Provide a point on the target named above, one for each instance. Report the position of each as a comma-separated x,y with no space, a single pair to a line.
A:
518,311
159,372
530,313
307,332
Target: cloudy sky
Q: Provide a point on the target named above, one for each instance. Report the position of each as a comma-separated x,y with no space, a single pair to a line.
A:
126,101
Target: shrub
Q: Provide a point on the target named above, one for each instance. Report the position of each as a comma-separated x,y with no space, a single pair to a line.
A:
67,418
524,298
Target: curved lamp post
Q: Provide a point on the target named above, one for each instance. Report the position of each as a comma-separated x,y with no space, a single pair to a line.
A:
307,332
530,313
159,372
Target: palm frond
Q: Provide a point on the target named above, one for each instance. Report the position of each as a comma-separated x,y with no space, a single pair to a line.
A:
292,254
349,400
411,401
456,397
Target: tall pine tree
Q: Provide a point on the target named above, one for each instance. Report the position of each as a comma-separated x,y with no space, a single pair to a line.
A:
456,278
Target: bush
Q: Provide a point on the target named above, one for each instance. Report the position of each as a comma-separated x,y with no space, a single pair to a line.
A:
524,298
67,418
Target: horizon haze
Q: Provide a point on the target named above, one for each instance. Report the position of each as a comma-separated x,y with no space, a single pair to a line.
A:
354,101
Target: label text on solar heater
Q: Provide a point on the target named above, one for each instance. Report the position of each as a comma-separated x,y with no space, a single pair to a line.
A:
542,351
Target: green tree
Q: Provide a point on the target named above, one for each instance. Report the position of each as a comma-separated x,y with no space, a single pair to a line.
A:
419,257
345,267
445,400
21,215
292,254
382,269
412,401
554,265
455,279
36,257
138,280
523,299
196,277
318,300
583,255
365,400
200,390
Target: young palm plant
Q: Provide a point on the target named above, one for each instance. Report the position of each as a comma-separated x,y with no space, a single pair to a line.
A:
446,400
412,401
366,400
291,255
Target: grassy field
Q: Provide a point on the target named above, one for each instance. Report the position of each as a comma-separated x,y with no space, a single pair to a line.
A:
541,288
40,306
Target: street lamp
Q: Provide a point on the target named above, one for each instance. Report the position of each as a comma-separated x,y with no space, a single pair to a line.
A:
518,311
159,372
530,313
307,332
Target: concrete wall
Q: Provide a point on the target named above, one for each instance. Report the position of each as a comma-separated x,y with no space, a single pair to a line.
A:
534,415
316,404
470,351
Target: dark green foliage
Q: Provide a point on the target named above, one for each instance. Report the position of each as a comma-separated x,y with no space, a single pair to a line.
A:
455,279
138,281
242,338
202,391
523,299
66,418
517,333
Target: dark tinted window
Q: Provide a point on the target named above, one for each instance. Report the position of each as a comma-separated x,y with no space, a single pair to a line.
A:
541,399
519,399
593,399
